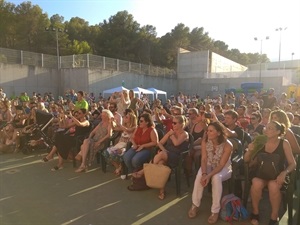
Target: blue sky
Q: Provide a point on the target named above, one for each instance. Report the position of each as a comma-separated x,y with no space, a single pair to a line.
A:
236,22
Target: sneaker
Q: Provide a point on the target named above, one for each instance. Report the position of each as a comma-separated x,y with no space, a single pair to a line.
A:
193,211
213,218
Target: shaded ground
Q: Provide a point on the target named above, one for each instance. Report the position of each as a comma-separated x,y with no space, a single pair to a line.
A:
31,194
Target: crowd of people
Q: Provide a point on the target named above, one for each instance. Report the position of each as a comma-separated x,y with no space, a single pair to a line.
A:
139,121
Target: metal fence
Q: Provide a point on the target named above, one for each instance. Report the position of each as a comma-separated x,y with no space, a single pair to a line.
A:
11,56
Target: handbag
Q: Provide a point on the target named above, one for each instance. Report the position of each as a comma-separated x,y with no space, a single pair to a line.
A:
268,166
156,175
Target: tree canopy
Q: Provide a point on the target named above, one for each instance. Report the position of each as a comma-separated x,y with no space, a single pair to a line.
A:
23,27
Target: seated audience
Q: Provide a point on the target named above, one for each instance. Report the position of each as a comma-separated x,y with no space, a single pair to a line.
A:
143,140
64,143
255,127
281,117
8,138
171,145
197,131
274,145
215,167
96,140
114,154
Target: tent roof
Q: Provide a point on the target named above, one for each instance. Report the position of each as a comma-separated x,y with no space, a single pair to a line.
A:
156,91
142,90
113,90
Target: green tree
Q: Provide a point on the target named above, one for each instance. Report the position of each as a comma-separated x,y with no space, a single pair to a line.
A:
78,29
199,40
169,44
146,44
118,36
80,47
30,22
7,25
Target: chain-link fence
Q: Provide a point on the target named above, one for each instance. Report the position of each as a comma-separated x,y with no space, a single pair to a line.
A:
11,56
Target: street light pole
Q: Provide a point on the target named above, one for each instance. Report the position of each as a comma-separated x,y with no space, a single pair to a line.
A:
57,49
56,30
260,61
280,29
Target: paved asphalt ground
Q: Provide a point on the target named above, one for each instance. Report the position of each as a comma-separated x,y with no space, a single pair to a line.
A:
31,194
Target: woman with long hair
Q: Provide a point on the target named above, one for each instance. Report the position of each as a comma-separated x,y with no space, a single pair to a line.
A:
64,143
215,167
281,117
114,153
135,103
143,140
171,145
275,145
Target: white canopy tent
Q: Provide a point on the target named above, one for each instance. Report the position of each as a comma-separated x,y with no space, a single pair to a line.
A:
139,91
158,92
113,90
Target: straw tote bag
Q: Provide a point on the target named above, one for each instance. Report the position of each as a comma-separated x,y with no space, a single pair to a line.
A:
156,175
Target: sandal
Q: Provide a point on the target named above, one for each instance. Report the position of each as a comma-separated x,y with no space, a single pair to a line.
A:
273,222
254,218
162,195
117,172
81,169
55,168
193,211
45,159
138,174
213,218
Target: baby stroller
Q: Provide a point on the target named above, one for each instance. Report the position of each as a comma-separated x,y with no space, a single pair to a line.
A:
33,136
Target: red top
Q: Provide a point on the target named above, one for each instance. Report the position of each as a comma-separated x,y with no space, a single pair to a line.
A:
141,138
168,123
244,121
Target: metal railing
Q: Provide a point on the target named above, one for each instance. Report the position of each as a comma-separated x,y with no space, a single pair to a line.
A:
11,56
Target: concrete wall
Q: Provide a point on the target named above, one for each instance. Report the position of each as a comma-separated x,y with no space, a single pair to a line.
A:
192,64
15,79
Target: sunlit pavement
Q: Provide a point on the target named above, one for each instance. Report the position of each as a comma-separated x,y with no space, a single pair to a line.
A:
31,194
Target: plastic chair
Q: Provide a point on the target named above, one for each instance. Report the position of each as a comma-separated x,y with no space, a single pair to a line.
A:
237,164
178,168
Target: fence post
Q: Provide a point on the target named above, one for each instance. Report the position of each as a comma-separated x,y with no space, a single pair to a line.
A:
22,58
104,63
87,60
42,56
118,66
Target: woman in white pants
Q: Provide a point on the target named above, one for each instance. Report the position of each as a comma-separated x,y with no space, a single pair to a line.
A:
215,166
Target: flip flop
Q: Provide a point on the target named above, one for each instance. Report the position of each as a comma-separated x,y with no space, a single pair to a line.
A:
45,159
162,195
55,168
